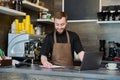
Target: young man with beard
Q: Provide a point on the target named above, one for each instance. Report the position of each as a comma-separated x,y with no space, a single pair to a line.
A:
61,44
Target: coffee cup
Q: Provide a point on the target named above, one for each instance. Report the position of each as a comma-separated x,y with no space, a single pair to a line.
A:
111,66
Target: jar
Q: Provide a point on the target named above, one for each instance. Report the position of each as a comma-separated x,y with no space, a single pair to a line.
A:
44,14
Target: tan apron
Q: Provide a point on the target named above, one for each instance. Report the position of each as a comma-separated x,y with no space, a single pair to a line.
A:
62,52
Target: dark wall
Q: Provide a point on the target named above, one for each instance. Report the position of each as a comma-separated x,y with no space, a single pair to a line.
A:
5,22
81,9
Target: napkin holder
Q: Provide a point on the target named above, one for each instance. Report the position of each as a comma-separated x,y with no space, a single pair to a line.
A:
6,62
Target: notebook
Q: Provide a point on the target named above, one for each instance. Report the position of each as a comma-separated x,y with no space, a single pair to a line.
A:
91,61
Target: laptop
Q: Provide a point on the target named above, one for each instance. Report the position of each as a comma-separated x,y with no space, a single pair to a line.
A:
91,61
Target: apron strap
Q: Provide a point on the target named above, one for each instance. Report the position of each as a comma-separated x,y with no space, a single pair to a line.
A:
68,38
55,36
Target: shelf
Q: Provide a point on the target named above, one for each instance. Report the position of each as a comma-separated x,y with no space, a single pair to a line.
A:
11,11
69,21
33,6
106,22
45,21
27,4
92,20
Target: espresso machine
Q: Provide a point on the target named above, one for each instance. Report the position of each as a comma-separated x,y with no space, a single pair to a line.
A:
24,45
32,49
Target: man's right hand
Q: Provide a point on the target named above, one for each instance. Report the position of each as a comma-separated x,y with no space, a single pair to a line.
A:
45,63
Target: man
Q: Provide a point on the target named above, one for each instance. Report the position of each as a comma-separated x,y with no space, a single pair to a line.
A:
61,44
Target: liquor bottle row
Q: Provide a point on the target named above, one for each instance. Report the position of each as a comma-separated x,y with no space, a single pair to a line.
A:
13,4
18,4
109,13
108,16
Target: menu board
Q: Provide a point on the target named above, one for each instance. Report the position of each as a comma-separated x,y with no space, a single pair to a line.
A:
81,9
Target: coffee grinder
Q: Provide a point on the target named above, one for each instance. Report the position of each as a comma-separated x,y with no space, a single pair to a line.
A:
102,48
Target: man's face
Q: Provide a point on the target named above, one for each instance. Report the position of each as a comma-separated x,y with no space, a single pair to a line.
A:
60,24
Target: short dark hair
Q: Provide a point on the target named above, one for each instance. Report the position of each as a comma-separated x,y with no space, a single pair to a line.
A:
60,14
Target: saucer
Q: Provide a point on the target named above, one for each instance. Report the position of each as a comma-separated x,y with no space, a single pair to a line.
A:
112,68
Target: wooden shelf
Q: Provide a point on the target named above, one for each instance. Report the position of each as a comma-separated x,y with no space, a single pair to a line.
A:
33,6
92,20
44,20
106,22
27,4
11,11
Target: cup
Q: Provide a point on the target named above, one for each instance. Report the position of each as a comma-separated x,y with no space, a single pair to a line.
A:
111,66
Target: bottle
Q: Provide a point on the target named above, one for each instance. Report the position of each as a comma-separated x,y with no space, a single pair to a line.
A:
33,1
40,15
44,14
7,3
13,27
2,55
17,5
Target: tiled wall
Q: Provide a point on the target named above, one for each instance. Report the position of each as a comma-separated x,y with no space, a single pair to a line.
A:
88,33
110,32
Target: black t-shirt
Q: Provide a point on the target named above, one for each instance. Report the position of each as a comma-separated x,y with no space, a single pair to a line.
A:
47,45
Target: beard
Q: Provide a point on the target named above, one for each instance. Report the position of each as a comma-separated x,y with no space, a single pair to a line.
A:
60,31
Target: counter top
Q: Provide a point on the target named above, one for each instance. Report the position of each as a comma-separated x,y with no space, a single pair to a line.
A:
101,73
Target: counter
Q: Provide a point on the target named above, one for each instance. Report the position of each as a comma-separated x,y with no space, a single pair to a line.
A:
35,72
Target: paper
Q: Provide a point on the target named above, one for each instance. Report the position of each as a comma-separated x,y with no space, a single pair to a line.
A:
15,62
53,66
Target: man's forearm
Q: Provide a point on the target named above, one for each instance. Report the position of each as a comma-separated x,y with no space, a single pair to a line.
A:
43,59
45,62
81,55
